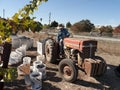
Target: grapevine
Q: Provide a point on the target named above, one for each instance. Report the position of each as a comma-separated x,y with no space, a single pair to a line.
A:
7,26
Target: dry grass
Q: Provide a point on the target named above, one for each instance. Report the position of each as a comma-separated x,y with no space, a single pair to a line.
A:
111,47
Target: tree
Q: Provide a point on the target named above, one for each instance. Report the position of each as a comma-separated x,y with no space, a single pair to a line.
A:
82,26
106,30
109,29
35,26
68,25
45,26
54,24
117,29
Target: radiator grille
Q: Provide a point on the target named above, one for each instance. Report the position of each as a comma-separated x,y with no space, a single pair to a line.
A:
89,48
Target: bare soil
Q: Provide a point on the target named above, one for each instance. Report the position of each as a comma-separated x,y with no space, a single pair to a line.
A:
108,81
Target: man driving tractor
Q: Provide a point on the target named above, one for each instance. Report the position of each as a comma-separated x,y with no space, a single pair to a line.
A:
73,54
62,33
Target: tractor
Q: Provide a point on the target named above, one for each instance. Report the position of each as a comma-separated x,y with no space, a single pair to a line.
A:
79,54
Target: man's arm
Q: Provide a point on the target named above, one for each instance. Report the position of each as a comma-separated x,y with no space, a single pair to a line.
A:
67,33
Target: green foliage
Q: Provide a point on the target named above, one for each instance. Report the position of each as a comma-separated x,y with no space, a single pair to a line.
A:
54,24
29,9
21,20
24,21
9,74
35,26
82,26
2,28
68,25
28,23
15,18
5,28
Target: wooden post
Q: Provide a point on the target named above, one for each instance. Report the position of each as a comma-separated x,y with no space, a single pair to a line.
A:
5,58
1,85
6,54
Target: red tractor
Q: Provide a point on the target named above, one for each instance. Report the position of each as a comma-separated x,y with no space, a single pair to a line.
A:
79,54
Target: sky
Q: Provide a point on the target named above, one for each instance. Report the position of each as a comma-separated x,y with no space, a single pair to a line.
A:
99,12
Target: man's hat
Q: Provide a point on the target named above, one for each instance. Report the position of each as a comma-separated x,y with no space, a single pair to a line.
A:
60,26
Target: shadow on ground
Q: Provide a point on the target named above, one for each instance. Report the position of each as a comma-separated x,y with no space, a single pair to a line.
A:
108,81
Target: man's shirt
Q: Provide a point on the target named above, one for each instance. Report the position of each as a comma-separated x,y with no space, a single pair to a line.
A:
62,34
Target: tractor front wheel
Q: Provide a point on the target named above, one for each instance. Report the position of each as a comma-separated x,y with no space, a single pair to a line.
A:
68,70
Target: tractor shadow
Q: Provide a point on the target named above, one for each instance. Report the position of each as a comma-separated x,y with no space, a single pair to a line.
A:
49,86
107,81
52,74
51,77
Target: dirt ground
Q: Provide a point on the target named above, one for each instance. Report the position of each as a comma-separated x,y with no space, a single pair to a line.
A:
53,81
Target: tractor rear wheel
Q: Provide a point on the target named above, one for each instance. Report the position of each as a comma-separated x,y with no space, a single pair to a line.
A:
50,51
68,70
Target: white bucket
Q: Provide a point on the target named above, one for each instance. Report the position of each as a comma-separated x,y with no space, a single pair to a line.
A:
38,66
26,60
36,80
42,68
27,80
35,63
40,58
